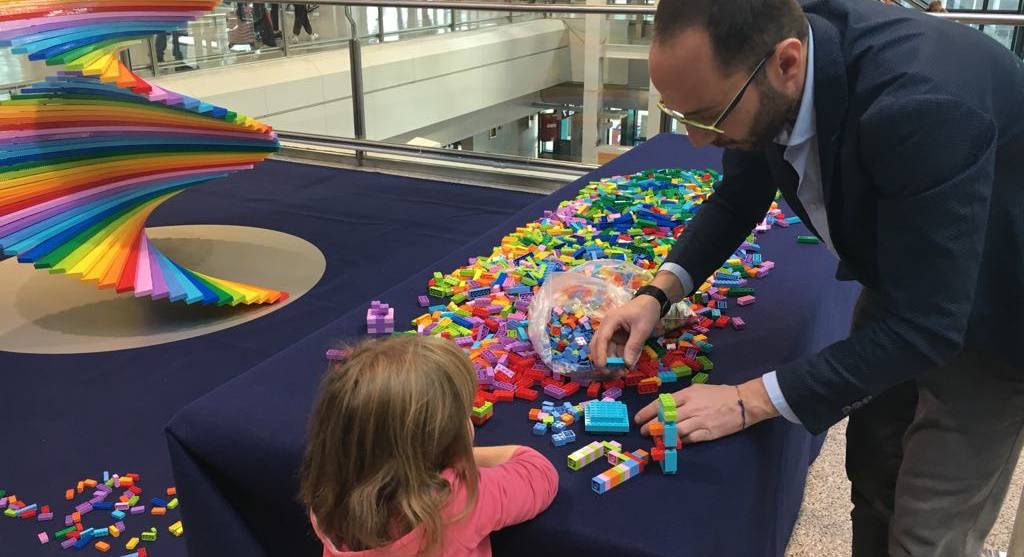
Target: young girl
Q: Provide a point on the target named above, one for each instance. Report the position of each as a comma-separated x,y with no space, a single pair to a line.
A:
390,468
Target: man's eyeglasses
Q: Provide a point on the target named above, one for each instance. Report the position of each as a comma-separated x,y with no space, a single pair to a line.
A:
714,126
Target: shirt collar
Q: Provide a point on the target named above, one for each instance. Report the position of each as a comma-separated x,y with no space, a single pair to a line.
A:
804,127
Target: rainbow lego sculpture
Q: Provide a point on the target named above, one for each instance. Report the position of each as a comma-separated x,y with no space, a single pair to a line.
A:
88,154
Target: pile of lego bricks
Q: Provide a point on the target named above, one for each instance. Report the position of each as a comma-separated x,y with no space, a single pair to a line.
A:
635,218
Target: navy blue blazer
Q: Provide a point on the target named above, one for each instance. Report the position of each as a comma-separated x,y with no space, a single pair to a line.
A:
921,139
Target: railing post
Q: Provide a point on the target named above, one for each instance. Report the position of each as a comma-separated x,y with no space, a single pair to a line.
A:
355,69
153,63
282,24
380,24
454,14
593,83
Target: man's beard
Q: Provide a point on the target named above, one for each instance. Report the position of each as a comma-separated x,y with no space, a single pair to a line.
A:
774,111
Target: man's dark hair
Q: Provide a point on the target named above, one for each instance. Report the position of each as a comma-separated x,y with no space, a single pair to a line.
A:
741,31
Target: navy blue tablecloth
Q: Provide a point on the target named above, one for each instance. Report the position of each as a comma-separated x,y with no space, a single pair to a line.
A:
236,451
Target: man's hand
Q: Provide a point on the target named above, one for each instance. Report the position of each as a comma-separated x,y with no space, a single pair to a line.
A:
624,331
707,412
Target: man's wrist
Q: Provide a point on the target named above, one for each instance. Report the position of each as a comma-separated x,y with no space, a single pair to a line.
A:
758,404
669,284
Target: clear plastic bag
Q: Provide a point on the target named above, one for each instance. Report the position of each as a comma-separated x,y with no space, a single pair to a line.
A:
564,315
586,293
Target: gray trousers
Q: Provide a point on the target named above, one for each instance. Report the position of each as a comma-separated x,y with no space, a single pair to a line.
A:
930,460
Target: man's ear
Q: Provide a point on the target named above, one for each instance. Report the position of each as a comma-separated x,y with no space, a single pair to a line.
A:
786,68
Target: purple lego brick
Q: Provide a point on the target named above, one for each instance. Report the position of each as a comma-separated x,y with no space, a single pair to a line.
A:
138,510
424,301
501,385
84,508
554,391
503,369
612,393
68,543
334,354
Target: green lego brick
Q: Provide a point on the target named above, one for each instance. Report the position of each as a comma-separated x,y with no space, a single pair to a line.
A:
700,378
735,292
682,371
705,363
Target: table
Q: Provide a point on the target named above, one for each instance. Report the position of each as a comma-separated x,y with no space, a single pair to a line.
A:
236,451
70,416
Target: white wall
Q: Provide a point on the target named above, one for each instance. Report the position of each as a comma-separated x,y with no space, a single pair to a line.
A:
518,137
408,85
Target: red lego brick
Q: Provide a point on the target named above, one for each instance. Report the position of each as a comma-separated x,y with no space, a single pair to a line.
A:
526,394
504,396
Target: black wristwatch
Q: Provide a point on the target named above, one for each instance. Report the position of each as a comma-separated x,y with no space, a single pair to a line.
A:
657,294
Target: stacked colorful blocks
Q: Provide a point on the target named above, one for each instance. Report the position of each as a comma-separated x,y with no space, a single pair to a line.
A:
380,318
605,417
666,435
630,466
87,155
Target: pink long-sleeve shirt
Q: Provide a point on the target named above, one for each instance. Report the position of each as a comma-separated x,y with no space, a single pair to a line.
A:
508,494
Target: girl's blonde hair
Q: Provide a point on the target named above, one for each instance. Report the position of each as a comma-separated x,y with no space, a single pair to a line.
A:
388,420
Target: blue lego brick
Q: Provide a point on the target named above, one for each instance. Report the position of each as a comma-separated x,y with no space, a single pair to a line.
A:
667,376
613,362
671,436
670,464
564,438
606,417
540,428
558,427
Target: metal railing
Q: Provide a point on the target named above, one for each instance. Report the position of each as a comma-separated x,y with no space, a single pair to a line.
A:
361,146
380,35
613,9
